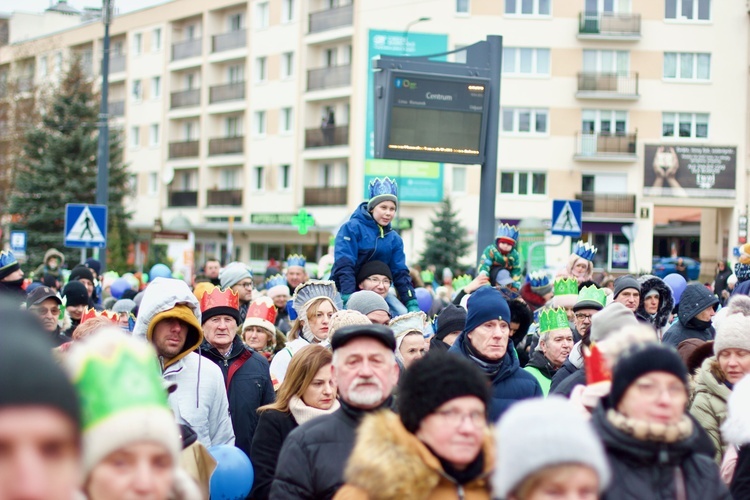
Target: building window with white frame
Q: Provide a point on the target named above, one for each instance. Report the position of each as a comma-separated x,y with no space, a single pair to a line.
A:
287,118
287,11
258,178
261,15
156,87
153,135
137,43
236,22
458,175
259,123
540,8
43,66
137,90
285,178
261,73
687,10
684,125
606,61
525,121
233,126
687,66
523,183
135,136
604,121
522,61
58,62
236,73
156,40
287,64
462,6
153,183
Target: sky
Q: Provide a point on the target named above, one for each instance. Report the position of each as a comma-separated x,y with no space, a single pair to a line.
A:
123,6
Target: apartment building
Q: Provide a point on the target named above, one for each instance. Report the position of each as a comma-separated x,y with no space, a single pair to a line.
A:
238,115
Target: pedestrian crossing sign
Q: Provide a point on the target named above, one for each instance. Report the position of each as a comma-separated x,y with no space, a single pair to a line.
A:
566,217
85,226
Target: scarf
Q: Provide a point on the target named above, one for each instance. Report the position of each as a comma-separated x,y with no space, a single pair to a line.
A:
488,366
303,413
698,324
648,431
467,475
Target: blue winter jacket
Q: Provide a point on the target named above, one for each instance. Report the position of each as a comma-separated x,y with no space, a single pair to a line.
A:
361,240
509,385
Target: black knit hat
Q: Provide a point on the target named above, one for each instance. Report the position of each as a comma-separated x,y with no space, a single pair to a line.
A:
434,380
75,294
218,311
641,359
452,318
81,271
374,267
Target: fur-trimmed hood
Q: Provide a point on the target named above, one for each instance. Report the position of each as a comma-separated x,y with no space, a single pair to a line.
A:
666,301
389,462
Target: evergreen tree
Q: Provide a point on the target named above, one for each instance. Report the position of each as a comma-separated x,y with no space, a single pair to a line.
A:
446,243
57,165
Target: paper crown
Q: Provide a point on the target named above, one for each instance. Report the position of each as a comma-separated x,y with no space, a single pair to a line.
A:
313,289
384,187
592,294
507,233
461,281
566,286
537,279
427,277
296,260
413,321
261,309
553,319
275,280
93,313
220,298
584,250
596,368
7,259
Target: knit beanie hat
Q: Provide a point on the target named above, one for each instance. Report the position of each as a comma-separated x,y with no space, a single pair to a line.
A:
578,444
75,294
374,267
124,305
233,274
641,359
94,265
367,301
8,263
612,318
81,272
733,331
625,282
123,399
451,319
484,305
420,394
346,317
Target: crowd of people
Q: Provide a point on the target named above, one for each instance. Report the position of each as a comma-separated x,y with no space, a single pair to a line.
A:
356,385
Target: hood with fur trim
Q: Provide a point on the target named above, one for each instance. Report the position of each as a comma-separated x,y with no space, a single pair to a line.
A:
666,301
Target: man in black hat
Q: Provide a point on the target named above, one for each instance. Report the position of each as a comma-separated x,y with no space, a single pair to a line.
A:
76,302
313,457
86,276
45,304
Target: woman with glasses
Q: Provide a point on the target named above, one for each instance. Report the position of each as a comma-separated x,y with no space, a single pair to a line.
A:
438,446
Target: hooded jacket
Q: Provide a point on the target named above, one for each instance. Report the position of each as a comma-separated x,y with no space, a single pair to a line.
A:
43,268
389,462
200,400
666,303
694,299
542,369
361,240
709,406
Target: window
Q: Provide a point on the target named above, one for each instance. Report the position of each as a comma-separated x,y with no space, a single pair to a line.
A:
135,136
462,6
330,56
229,179
687,125
137,43
156,40
605,122
191,32
287,64
43,66
236,22
236,73
260,69
58,62
687,66
459,57
287,11
286,119
459,179
606,61
688,10
153,183
189,133
285,177
137,90
525,121
260,123
153,135
156,87
523,183
258,183
233,126
525,61
326,175
261,15
528,7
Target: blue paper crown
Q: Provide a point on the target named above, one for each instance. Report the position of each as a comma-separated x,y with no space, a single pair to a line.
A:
386,186
507,231
275,280
295,260
537,279
584,250
7,259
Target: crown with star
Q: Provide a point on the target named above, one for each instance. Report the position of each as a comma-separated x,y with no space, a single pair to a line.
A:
553,319
93,313
584,250
296,260
507,234
7,259
220,298
566,286
384,187
537,279
275,280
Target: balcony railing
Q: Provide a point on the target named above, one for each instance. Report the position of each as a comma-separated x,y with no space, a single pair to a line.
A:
607,85
317,196
227,92
183,198
610,24
322,137
610,204
224,197
116,108
188,48
226,146
606,145
117,63
228,41
184,149
330,77
324,20
185,98
25,83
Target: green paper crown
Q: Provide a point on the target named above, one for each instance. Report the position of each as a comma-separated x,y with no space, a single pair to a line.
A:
461,281
566,286
128,377
592,293
553,319
427,277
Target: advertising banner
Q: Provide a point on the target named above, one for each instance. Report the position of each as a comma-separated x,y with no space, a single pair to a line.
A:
689,171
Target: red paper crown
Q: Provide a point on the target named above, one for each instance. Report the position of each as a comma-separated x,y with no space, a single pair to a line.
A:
93,313
218,298
596,366
262,308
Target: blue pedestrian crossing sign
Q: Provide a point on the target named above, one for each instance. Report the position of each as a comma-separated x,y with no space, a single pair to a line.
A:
85,226
566,217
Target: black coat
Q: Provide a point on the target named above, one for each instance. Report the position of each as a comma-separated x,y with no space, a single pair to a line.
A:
273,428
646,470
249,387
565,371
695,299
740,486
566,386
720,282
666,302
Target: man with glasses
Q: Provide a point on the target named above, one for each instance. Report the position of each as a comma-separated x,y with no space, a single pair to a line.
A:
237,277
376,276
45,304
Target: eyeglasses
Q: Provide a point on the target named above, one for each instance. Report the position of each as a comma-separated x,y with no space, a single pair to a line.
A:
248,285
376,281
581,316
654,391
455,417
43,311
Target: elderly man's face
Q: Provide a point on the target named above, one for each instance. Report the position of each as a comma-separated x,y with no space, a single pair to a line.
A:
365,371
583,320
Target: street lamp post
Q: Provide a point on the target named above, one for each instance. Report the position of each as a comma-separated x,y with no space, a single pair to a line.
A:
102,153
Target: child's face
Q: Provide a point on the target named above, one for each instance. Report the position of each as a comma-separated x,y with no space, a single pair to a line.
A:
504,247
384,212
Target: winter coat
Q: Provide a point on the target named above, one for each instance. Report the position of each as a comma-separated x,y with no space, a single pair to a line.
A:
709,406
565,371
361,240
389,462
565,388
542,369
720,282
740,486
248,384
273,428
509,385
43,268
694,299
281,360
666,303
646,470
493,257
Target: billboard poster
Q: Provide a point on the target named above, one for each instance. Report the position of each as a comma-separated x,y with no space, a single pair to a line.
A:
620,256
689,171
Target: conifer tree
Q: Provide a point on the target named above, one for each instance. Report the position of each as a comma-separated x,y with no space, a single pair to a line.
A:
446,243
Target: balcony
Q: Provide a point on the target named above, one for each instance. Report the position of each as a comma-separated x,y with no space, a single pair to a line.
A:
117,63
116,108
227,92
184,149
25,84
609,26
226,146
610,205
605,147
325,20
186,49
319,196
185,98
229,41
330,77
224,197
183,198
323,137
598,85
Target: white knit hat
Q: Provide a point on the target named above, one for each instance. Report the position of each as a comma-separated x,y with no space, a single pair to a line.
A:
733,332
346,317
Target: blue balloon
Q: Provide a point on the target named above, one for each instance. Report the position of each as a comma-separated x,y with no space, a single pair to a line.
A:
424,299
160,271
234,476
118,287
677,283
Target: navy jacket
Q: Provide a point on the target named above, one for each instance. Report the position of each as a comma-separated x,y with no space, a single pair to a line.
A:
695,299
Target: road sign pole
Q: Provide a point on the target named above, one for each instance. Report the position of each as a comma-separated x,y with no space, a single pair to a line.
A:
83,256
102,155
